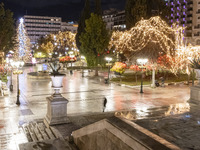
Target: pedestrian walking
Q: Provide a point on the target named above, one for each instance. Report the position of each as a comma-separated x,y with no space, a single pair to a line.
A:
104,104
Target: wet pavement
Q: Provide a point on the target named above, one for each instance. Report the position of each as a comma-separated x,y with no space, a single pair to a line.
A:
180,127
85,95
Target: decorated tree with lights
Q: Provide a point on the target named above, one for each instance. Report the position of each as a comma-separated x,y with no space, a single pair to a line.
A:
61,43
65,42
22,48
150,39
44,47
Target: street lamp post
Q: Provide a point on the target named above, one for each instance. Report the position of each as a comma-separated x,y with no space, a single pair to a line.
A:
17,65
109,59
142,62
18,90
11,85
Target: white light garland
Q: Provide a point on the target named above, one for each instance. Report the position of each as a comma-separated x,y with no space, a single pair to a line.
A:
22,50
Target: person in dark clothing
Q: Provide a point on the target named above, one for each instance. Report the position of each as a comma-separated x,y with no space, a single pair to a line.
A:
104,103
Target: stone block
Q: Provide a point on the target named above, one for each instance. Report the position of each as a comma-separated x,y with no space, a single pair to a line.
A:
56,110
55,144
195,94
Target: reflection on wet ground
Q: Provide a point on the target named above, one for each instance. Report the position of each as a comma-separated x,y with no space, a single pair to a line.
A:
163,111
178,124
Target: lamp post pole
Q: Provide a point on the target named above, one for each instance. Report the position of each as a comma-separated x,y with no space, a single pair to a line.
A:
11,86
11,65
142,62
108,73
109,60
17,65
141,88
18,91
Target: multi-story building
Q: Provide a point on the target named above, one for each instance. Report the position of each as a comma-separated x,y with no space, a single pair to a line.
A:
69,26
120,20
108,18
39,26
114,19
187,14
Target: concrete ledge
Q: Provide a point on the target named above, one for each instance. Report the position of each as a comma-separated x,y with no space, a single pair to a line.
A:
152,140
127,133
136,86
194,94
38,77
55,144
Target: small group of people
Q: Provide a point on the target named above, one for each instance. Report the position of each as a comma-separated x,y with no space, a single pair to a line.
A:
162,82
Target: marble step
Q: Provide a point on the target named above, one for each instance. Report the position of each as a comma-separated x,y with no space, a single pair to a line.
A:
37,131
40,135
51,144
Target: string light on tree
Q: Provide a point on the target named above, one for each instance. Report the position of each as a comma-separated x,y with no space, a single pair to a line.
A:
22,49
153,30
169,39
60,42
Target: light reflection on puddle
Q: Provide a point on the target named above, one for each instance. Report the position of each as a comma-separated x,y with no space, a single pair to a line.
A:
142,113
178,109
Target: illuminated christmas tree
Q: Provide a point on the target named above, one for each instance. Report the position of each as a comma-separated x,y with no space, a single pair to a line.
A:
22,49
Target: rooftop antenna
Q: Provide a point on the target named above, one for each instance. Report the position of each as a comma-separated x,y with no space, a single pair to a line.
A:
26,12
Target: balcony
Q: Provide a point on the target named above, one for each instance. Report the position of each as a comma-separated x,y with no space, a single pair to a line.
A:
197,34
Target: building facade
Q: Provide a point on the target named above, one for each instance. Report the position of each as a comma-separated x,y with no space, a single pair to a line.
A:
69,26
115,20
187,14
39,26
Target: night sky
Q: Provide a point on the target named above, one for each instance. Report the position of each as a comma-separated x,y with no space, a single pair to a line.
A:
69,10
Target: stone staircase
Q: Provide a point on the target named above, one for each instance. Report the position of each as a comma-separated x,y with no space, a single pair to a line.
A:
38,132
119,133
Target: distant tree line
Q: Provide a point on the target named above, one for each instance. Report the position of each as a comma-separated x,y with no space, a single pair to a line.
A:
7,29
135,10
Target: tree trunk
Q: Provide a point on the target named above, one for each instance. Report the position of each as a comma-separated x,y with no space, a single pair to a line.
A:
136,77
153,78
96,68
96,71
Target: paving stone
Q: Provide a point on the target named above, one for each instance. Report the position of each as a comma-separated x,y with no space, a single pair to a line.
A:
49,133
25,112
55,144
